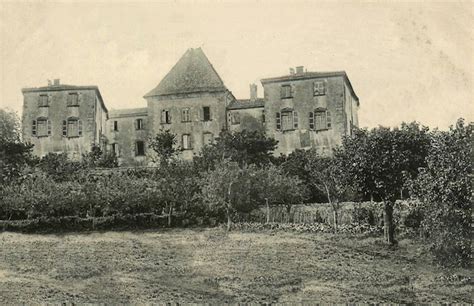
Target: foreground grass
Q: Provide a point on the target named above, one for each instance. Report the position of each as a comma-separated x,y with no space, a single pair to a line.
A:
212,266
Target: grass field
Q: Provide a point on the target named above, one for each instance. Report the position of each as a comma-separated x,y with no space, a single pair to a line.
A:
210,266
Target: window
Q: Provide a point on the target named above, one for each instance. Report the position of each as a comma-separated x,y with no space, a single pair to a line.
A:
140,148
286,121
33,128
185,115
43,101
42,128
207,138
322,120
206,113
115,125
72,127
165,116
295,120
73,99
186,142
139,124
235,118
311,120
115,149
319,88
278,121
286,91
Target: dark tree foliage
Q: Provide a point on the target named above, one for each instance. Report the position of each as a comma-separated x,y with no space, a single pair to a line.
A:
444,188
14,154
378,161
97,158
59,167
296,164
245,148
164,145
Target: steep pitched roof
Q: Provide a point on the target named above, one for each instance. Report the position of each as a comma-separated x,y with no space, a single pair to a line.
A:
192,73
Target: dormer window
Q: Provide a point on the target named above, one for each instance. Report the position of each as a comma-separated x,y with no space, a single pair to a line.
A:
73,99
43,101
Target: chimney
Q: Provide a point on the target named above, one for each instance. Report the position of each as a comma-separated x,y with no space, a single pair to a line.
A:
292,71
56,81
299,69
253,92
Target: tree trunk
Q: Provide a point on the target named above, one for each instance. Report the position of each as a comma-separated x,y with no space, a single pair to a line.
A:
268,210
169,215
335,219
229,221
389,230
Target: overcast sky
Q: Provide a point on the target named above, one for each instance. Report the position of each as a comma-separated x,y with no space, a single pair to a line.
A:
406,61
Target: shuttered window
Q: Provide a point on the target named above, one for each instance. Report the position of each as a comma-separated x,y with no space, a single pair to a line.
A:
42,127
295,120
33,128
140,148
185,115
73,99
311,120
73,128
186,142
278,121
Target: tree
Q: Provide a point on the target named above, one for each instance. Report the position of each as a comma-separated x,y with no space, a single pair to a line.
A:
164,144
229,189
177,184
245,148
59,167
98,158
296,164
444,188
14,154
275,187
326,174
377,162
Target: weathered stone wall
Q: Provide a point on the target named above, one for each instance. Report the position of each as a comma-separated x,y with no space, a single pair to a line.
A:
304,102
56,112
196,127
127,136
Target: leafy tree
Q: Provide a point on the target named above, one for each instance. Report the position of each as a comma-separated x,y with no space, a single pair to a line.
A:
59,167
14,154
327,175
245,147
275,187
296,164
164,145
444,188
177,184
98,158
377,162
229,189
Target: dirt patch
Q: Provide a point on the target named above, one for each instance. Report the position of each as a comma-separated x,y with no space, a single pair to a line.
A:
196,266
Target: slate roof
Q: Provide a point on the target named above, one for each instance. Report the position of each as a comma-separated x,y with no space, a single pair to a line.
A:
128,112
192,73
311,75
246,103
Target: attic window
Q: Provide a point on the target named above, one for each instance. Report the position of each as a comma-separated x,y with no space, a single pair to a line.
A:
319,88
73,99
286,91
43,101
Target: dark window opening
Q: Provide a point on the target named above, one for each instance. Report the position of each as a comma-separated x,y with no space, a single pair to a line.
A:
115,125
140,148
139,124
206,113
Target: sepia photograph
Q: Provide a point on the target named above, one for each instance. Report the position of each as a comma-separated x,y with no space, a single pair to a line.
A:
236,152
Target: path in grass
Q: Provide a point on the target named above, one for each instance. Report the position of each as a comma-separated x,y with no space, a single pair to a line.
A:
211,266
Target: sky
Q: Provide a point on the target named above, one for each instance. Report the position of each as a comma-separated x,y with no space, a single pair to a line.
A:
406,60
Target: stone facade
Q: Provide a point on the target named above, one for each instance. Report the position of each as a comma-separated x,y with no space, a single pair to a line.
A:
63,118
301,110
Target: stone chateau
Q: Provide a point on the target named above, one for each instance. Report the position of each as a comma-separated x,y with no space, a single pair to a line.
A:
301,110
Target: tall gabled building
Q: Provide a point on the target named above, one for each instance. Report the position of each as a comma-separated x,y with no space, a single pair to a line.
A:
191,102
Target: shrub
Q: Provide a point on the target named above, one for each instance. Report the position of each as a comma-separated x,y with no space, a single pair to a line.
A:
363,215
